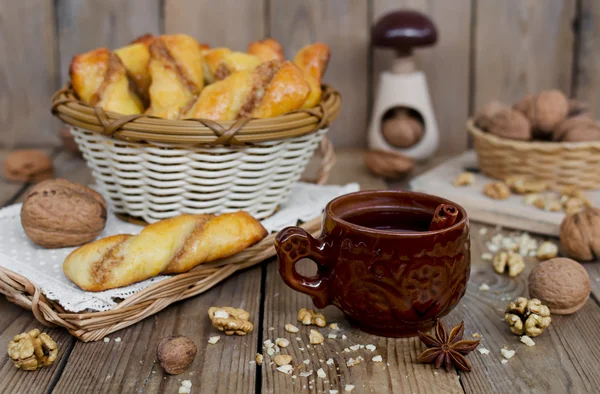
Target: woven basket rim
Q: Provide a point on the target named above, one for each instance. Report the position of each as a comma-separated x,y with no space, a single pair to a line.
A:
134,128
524,145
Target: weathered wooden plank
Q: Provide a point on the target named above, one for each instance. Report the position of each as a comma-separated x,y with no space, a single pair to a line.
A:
28,74
87,25
587,55
446,65
557,363
343,25
131,365
16,320
224,23
522,47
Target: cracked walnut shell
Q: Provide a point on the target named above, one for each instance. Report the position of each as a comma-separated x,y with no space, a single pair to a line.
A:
32,350
529,317
230,320
513,261
580,235
309,317
496,190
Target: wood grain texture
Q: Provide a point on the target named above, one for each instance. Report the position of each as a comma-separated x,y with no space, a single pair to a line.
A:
87,25
522,47
343,25
131,365
587,63
28,73
446,65
229,23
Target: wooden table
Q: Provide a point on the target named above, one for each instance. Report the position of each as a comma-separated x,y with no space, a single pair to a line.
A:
565,359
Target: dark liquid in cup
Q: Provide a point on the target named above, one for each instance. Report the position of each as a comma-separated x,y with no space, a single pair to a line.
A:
401,220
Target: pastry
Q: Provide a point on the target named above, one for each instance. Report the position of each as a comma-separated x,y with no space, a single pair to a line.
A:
177,72
269,90
100,79
222,62
135,58
169,246
313,60
267,50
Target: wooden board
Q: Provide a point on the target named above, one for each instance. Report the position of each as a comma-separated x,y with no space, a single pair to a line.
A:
28,73
587,55
521,47
87,25
512,212
446,65
343,25
229,23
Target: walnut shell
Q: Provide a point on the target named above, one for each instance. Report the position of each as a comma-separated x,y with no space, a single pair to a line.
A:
402,130
580,235
577,129
58,213
28,165
510,124
561,284
388,164
175,353
544,110
483,118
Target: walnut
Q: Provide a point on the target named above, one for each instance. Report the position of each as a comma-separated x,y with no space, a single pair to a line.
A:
388,164
496,190
483,118
513,261
282,359
510,124
29,165
577,129
32,350
547,250
580,235
575,204
522,184
562,284
536,200
58,213
402,128
259,359
309,317
529,317
545,110
230,320
291,328
175,353
464,179
315,337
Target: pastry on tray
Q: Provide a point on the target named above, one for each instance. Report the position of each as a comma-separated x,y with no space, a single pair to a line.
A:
176,77
169,246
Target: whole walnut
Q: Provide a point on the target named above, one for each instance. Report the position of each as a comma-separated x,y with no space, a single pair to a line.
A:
28,165
577,129
560,283
175,353
58,213
580,235
511,124
544,110
402,129
483,118
388,164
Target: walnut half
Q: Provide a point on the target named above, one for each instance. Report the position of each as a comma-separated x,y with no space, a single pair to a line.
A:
513,261
32,350
230,320
309,317
529,317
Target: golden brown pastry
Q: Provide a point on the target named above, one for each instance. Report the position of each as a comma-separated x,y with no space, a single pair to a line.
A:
177,73
222,62
169,246
267,50
135,58
100,79
313,60
271,89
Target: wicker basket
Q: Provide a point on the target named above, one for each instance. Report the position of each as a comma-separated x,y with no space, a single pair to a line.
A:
152,168
558,163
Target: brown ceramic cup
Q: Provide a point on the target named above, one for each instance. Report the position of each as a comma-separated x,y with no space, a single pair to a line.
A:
377,261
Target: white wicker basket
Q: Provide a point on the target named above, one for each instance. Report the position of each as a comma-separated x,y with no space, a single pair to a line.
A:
153,181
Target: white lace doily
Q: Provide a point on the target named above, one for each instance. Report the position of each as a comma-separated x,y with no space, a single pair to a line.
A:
43,267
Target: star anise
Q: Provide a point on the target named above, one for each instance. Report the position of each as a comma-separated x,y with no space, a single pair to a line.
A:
447,349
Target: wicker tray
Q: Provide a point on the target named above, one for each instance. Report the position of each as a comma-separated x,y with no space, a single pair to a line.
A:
558,163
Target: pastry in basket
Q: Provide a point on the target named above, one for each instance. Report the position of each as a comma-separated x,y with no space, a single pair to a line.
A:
267,50
100,79
136,57
271,89
313,60
177,72
169,246
222,62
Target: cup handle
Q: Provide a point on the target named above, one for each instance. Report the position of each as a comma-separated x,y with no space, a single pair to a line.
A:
293,244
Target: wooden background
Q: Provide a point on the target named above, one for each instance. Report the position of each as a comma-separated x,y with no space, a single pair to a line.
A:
488,49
